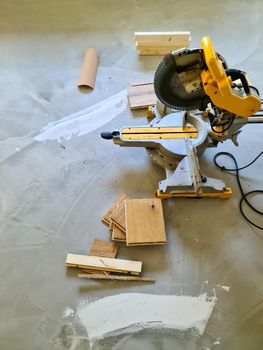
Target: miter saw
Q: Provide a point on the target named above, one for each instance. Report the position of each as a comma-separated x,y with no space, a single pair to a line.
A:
200,102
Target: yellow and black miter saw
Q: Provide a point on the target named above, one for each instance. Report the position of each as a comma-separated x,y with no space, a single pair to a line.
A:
200,102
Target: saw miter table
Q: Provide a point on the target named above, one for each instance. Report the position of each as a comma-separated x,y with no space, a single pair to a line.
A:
200,102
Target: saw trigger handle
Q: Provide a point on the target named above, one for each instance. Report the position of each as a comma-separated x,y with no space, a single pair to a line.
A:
238,74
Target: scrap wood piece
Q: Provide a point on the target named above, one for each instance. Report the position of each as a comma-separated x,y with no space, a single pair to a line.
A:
153,52
117,202
105,264
111,226
144,222
118,216
156,51
116,277
141,95
157,46
91,271
118,234
180,37
89,69
104,249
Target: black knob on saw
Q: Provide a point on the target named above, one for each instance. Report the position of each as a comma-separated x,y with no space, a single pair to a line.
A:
107,135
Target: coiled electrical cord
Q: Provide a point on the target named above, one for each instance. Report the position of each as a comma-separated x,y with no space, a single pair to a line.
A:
244,196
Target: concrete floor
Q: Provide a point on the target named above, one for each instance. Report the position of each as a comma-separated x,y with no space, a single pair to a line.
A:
52,194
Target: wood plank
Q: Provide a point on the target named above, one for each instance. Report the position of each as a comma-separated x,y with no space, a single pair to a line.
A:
179,37
118,234
117,202
98,272
141,95
156,46
104,249
153,52
115,277
144,222
106,264
118,216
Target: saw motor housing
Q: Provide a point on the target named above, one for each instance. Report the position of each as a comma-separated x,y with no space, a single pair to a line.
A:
217,83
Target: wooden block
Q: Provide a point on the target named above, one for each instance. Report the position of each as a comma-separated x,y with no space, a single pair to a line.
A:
98,272
156,47
118,201
116,277
144,222
118,216
105,264
118,234
152,53
104,249
141,95
178,37
89,68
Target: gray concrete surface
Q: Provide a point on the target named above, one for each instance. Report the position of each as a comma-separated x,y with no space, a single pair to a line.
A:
52,194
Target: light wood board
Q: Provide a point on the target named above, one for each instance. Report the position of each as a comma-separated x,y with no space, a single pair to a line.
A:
115,277
117,202
106,264
103,249
152,53
118,216
171,37
141,95
144,222
157,46
118,234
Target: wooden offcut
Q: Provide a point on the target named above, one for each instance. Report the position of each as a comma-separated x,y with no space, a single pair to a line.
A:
97,272
89,69
144,222
117,202
105,264
115,277
118,234
103,249
178,37
118,216
141,95
160,43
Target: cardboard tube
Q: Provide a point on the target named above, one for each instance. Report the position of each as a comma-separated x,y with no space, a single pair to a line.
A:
89,68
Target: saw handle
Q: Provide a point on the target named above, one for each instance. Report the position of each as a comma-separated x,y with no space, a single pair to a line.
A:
238,74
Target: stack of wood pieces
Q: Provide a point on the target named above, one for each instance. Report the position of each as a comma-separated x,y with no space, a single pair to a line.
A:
141,95
160,43
101,264
136,221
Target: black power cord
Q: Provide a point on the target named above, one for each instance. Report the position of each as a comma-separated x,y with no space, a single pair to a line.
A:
244,196
223,130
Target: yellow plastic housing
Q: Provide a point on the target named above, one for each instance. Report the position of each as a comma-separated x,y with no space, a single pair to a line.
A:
217,85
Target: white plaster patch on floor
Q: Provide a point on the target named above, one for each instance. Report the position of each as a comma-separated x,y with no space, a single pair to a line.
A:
226,288
68,312
131,312
85,121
